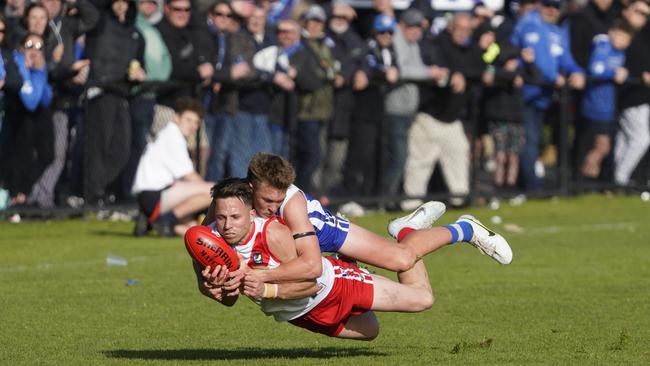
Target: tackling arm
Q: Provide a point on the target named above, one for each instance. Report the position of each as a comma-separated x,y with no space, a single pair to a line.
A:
307,264
281,244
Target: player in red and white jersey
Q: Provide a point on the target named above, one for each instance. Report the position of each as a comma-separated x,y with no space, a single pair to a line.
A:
344,309
256,254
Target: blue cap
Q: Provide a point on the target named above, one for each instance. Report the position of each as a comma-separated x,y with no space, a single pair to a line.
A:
383,23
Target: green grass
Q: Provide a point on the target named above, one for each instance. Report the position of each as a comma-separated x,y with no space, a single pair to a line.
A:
577,292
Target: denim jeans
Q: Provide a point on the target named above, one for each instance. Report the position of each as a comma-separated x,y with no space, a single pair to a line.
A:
218,127
308,152
533,123
395,142
250,135
279,140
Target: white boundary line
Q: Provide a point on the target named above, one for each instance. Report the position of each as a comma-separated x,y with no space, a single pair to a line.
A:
573,228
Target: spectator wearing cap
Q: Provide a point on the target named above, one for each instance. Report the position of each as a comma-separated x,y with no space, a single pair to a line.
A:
538,30
349,49
115,49
377,75
403,101
315,108
633,136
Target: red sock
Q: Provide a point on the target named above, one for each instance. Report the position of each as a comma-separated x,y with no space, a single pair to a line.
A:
403,233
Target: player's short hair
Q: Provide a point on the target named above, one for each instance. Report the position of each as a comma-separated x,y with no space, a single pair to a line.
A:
233,187
271,169
188,104
623,25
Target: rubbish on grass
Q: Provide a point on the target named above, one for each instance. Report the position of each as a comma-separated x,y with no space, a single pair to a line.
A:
115,261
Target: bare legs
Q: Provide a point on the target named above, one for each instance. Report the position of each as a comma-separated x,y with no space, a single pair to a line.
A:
378,251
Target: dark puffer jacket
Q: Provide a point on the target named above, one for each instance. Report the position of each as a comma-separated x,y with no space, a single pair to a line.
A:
111,46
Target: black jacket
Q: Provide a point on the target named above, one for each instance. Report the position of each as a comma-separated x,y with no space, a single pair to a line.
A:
502,101
368,103
188,49
111,46
349,49
73,22
439,102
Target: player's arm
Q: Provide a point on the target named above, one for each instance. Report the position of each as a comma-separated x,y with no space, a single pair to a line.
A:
255,288
211,283
307,265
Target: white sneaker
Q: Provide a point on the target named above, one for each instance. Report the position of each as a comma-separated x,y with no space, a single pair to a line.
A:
488,242
423,217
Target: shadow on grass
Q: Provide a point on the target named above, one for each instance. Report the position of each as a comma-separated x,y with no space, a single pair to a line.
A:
241,353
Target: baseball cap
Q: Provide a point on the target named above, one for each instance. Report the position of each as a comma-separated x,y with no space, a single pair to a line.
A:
412,17
383,23
315,12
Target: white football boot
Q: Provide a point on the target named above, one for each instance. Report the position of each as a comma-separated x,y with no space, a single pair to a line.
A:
487,241
422,218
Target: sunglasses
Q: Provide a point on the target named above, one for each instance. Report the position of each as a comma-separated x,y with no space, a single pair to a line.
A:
33,45
179,10
220,14
385,32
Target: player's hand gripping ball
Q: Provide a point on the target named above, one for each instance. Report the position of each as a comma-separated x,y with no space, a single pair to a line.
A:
209,249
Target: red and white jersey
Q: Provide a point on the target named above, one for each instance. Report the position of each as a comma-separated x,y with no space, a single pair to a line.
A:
257,255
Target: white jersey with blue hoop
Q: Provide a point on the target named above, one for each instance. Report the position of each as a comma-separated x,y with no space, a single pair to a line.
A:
330,229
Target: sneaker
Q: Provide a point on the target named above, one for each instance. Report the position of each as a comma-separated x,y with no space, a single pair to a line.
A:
488,242
142,226
423,217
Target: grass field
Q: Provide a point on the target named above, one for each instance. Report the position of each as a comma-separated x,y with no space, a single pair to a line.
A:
577,292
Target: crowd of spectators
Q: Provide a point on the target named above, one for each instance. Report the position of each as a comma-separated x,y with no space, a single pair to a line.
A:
363,101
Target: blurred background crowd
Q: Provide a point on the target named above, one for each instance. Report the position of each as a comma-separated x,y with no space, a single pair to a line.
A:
367,98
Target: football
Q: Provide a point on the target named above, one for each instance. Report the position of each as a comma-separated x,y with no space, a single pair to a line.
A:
209,249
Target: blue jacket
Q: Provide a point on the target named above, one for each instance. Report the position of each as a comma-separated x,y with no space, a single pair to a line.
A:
35,90
599,99
552,54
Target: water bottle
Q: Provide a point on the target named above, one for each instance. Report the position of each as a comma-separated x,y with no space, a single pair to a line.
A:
115,261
